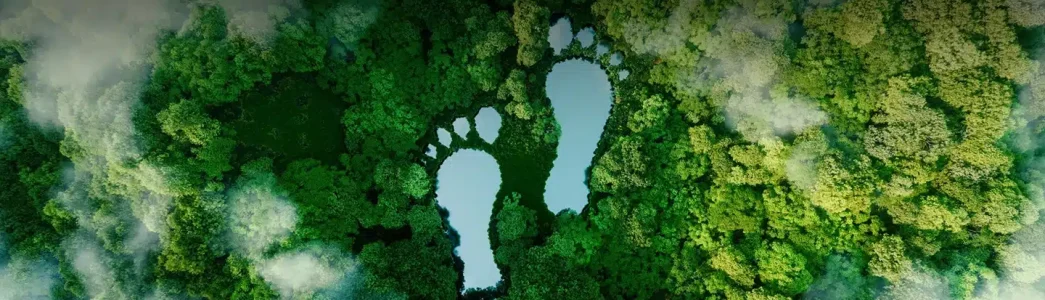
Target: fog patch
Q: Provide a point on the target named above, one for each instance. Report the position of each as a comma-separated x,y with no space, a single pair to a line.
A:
158,294
257,20
1022,263
310,272
27,279
843,279
347,22
109,234
259,217
665,37
746,56
152,209
1028,127
92,264
87,66
24,278
801,167
82,50
140,243
919,282
1022,258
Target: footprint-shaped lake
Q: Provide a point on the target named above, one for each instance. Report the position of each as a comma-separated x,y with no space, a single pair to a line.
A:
581,96
469,179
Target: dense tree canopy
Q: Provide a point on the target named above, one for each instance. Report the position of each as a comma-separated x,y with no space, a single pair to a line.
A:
758,149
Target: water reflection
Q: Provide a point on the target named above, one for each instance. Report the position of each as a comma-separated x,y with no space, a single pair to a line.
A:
560,35
467,187
488,123
461,127
580,95
586,37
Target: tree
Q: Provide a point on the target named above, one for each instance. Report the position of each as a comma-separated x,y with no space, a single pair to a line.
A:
783,269
621,168
531,27
888,259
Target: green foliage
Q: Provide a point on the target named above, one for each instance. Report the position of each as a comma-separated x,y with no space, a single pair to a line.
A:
758,150
529,21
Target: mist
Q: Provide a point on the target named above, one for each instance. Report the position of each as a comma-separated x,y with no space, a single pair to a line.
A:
259,216
1022,258
309,272
841,280
84,76
347,22
666,37
801,167
257,19
85,72
25,278
88,61
919,282
746,58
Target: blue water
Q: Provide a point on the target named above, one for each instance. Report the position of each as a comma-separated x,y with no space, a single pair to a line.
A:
468,180
616,59
580,95
461,127
586,37
488,123
444,137
467,187
560,35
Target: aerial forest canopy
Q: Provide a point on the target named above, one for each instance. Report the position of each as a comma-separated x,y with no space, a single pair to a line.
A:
756,149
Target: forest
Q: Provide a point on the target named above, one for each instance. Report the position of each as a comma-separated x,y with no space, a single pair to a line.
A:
758,149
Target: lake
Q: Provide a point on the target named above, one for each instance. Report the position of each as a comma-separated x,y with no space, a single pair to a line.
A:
468,184
580,94
468,180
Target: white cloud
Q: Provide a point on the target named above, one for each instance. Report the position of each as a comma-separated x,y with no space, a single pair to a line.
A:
919,283
745,58
800,167
27,279
257,19
259,218
309,272
91,263
662,38
348,21
22,278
